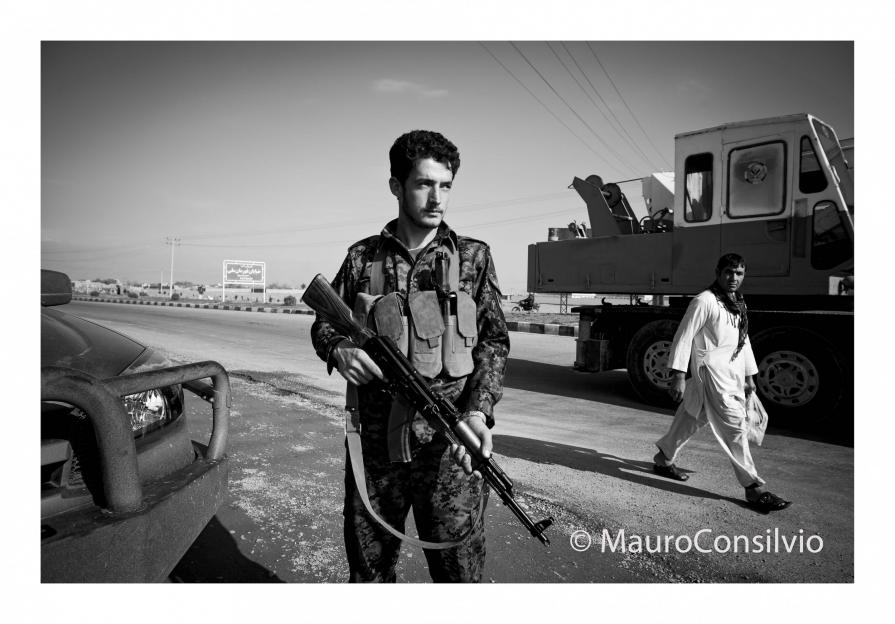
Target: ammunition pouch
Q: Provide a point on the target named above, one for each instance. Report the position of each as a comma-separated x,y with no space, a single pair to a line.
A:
428,329
460,336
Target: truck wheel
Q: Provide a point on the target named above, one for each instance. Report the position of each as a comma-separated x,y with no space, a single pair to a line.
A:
647,361
800,379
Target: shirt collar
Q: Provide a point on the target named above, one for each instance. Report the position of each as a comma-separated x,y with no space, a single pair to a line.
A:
444,236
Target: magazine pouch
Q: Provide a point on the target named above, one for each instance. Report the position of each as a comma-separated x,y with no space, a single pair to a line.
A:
363,305
390,320
460,336
428,328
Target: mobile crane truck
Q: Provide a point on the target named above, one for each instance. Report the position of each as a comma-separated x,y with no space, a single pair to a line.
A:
779,192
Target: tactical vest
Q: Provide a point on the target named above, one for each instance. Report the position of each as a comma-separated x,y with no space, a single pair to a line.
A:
437,334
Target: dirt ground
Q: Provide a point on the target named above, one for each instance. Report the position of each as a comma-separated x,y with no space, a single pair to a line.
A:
282,521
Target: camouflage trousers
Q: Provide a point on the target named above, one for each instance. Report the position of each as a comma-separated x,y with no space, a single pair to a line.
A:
445,501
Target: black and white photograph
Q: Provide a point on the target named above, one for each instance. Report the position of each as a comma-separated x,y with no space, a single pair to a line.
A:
286,338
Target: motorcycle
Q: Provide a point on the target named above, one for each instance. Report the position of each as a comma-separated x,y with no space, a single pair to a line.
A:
528,304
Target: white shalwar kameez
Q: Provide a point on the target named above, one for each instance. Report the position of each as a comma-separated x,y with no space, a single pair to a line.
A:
715,393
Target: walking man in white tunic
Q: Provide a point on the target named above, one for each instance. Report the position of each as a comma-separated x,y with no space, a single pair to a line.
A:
712,341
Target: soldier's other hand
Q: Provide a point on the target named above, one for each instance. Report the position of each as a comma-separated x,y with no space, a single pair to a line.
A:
678,385
476,422
750,385
354,364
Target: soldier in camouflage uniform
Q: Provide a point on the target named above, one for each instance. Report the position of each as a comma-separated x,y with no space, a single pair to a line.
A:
438,482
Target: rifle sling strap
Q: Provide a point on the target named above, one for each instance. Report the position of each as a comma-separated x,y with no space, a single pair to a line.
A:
356,457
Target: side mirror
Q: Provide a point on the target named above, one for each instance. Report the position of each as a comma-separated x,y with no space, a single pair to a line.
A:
55,288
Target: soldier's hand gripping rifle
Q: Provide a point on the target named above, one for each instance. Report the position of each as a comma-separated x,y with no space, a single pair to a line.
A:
402,379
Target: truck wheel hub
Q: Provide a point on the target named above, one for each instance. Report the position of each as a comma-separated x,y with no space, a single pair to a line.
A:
655,364
788,378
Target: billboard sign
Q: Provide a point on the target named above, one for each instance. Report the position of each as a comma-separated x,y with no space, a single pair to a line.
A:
243,273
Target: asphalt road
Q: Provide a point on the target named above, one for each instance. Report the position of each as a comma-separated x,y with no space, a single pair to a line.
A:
578,447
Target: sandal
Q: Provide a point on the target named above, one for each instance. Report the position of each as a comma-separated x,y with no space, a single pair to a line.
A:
671,472
768,502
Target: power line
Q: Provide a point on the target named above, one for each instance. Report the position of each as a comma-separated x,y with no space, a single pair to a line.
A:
499,203
76,255
633,116
584,91
116,251
513,220
627,137
503,203
506,220
547,108
605,103
112,248
574,112
72,256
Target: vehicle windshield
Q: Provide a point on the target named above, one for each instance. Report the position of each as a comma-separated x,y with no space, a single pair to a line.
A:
842,169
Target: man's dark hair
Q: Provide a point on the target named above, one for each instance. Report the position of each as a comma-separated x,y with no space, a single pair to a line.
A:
730,260
418,144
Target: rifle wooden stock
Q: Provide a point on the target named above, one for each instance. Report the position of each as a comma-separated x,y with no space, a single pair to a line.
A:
404,380
320,297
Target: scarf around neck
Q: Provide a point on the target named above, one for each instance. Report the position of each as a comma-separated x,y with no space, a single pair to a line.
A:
736,307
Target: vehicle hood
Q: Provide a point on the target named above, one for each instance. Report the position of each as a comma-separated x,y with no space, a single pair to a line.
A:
70,341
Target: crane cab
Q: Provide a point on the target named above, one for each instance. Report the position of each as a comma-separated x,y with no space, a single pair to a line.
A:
777,191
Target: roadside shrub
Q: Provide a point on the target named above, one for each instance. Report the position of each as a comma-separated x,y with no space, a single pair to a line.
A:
175,296
131,294
143,294
94,293
289,300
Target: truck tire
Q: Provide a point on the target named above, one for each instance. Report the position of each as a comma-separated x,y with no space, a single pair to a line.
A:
800,378
647,362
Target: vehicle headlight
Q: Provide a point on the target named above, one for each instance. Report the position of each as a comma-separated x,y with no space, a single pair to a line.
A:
148,410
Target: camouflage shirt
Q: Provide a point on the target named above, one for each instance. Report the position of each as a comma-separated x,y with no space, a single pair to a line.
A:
482,389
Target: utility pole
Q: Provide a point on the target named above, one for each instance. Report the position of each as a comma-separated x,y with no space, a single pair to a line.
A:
169,240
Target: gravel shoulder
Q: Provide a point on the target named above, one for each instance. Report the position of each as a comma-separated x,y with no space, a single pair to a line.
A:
282,521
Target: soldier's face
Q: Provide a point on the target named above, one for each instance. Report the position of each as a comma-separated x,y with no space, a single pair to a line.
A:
423,196
731,278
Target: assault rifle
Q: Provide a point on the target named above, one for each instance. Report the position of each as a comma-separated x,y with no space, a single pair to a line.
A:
402,379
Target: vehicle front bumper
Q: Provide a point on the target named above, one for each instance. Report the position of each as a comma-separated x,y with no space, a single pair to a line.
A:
98,546
143,528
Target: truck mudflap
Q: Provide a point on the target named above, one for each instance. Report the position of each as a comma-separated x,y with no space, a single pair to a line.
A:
132,538
592,352
637,338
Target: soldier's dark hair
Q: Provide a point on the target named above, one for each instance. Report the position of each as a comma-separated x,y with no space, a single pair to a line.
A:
730,260
418,144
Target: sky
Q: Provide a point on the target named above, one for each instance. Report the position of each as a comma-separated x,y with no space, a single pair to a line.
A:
278,151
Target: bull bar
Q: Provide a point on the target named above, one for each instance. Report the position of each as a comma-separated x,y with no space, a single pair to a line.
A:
101,401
